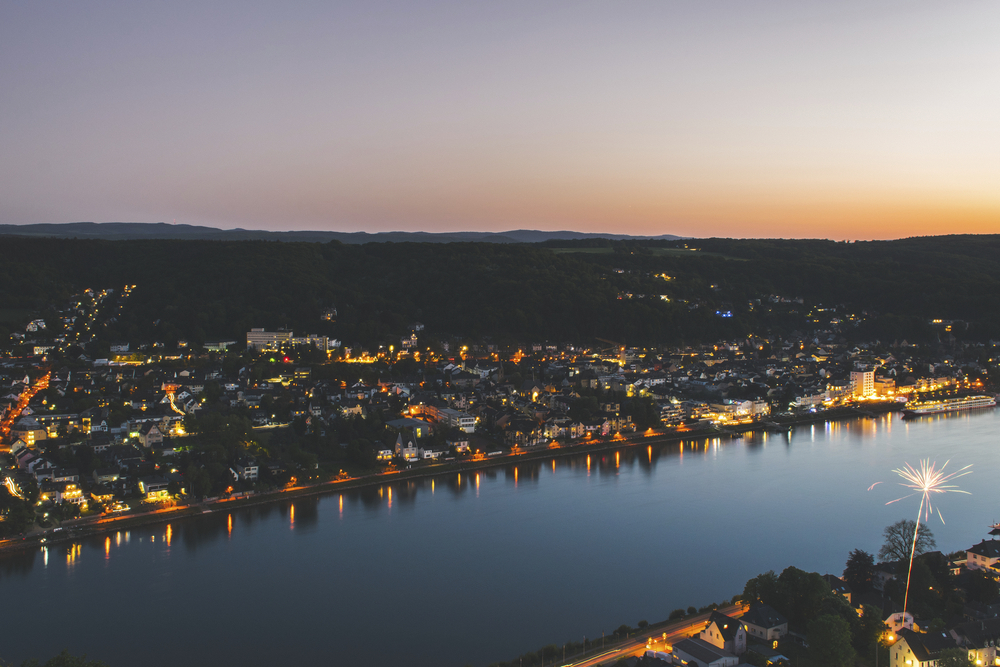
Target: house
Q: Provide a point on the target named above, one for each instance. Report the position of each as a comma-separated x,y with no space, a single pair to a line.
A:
150,435
461,445
61,492
917,649
154,488
981,639
838,585
245,469
885,572
65,475
429,451
696,651
408,452
763,622
725,633
891,613
101,493
983,556
25,458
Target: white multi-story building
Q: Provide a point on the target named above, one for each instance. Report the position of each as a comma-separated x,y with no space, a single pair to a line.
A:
258,339
862,384
454,418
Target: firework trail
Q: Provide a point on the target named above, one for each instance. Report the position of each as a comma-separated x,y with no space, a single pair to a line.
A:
925,481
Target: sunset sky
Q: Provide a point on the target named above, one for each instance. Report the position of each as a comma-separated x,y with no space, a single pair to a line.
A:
845,120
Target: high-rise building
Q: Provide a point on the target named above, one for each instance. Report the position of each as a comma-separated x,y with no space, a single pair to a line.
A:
862,384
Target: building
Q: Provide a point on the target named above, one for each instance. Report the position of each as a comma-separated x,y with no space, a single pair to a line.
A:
150,435
258,339
408,452
154,489
696,651
917,649
452,418
862,384
983,556
981,639
246,469
725,633
838,586
763,622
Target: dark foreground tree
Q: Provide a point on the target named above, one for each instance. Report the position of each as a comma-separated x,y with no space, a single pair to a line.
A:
830,642
859,572
899,540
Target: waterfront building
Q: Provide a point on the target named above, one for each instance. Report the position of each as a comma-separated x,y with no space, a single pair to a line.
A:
862,384
725,633
697,651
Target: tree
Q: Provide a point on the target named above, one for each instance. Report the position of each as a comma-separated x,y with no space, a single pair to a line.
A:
981,587
799,595
899,540
830,642
868,630
859,571
954,657
761,588
64,659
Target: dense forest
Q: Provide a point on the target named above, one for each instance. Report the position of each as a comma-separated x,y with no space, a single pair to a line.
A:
633,292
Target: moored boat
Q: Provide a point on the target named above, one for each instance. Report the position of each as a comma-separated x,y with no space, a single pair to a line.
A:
919,408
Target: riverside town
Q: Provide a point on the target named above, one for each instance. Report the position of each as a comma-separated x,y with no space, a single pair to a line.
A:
120,416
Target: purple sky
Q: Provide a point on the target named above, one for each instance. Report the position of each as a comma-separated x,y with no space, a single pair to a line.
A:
847,119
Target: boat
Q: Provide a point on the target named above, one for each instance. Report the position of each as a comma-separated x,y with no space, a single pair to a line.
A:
919,408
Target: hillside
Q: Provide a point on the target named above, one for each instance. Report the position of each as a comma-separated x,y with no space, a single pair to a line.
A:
635,292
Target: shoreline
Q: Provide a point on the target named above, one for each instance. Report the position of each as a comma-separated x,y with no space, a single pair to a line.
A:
83,528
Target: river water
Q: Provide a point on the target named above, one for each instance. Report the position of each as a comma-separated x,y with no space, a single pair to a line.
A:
478,567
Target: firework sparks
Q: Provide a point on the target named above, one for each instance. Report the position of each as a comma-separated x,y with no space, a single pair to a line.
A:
925,481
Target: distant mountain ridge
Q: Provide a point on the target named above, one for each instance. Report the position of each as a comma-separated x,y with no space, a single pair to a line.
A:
122,231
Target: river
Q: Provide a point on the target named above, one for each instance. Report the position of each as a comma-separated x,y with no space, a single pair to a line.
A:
473,568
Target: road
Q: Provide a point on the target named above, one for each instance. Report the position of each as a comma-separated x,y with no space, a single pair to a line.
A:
7,423
654,639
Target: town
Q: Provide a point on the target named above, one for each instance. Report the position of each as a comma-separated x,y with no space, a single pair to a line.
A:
159,424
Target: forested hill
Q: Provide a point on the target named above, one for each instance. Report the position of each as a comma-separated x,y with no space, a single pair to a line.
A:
634,292
126,231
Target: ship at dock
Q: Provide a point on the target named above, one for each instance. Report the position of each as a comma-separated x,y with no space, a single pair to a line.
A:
933,407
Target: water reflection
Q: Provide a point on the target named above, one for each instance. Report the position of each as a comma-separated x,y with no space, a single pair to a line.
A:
303,514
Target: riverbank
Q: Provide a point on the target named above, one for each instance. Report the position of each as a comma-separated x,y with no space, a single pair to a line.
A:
81,528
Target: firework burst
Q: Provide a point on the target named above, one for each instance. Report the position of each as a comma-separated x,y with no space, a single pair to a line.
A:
925,481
